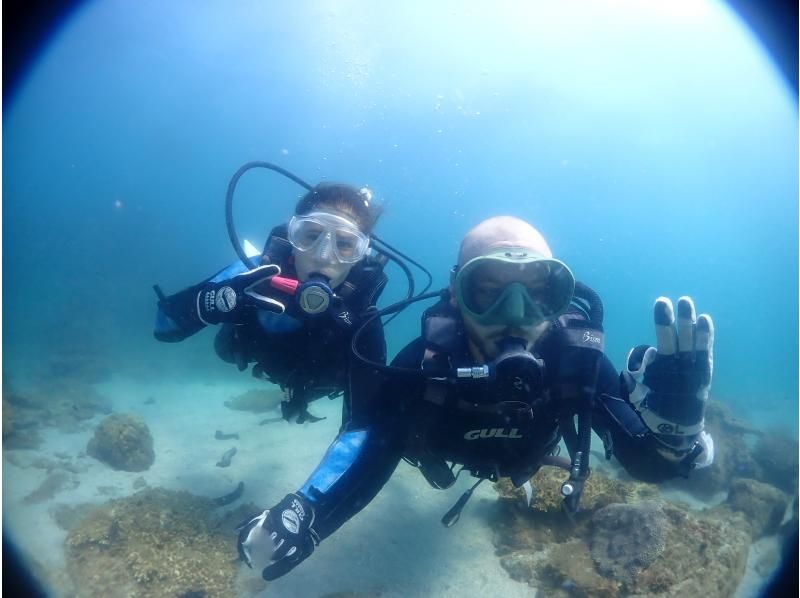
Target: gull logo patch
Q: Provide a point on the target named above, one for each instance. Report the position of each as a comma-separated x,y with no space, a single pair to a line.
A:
492,433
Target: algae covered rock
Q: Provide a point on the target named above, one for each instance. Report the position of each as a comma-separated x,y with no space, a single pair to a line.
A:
638,546
599,491
123,441
256,401
627,538
762,505
733,457
777,454
154,543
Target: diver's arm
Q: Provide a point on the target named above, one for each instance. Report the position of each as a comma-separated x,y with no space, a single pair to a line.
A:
371,443
177,318
666,387
226,297
354,469
623,432
363,396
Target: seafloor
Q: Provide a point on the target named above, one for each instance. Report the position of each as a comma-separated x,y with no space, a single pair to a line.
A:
108,481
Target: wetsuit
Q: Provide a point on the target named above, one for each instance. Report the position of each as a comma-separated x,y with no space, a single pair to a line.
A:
365,453
308,356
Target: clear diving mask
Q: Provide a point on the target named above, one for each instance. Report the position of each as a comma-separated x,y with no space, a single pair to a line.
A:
331,237
513,287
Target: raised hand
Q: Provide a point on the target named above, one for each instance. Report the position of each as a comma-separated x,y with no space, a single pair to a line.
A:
668,384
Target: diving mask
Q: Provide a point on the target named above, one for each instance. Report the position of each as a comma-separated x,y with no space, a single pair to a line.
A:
334,238
513,287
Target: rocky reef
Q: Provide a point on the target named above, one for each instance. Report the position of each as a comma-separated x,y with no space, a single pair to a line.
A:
627,540
61,403
256,401
742,451
777,455
154,543
123,441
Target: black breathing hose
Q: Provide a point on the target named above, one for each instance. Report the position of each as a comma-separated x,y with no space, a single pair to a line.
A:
237,246
387,250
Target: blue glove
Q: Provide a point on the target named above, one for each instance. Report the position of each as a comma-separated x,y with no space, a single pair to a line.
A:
668,385
280,538
227,301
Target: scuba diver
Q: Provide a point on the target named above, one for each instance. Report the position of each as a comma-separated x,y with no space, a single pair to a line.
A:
510,361
293,312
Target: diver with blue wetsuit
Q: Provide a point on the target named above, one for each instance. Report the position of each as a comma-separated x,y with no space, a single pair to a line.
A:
509,359
293,313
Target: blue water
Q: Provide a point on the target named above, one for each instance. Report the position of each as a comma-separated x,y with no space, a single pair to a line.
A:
655,147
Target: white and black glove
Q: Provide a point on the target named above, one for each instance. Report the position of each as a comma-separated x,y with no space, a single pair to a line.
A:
227,301
668,384
280,538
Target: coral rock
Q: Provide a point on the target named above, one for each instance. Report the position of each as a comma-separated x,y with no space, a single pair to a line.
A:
256,401
154,543
777,455
762,505
124,442
627,538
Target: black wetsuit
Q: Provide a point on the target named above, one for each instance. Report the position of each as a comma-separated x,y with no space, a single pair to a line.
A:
308,356
371,443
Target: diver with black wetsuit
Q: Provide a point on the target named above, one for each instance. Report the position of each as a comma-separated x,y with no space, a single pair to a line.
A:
293,313
510,361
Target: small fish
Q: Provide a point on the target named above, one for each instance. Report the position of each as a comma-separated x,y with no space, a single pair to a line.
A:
220,436
225,461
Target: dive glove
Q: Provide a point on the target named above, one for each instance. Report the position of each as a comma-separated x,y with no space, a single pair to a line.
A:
280,538
668,385
228,300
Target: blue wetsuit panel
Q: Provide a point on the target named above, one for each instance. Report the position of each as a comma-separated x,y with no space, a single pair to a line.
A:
277,323
341,455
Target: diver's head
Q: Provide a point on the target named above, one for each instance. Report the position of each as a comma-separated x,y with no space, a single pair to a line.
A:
330,231
507,284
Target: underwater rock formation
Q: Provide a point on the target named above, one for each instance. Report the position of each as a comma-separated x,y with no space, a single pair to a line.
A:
777,453
733,457
627,538
123,441
62,404
622,542
599,491
155,543
257,401
762,505
52,484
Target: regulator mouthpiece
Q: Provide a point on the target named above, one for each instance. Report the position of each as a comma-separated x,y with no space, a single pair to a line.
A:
314,296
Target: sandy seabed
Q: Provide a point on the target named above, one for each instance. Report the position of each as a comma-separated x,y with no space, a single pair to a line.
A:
396,547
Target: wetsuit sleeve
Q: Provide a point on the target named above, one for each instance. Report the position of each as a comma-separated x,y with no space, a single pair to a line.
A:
362,397
624,433
366,452
176,318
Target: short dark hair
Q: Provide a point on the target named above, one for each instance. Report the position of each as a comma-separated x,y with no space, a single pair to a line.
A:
356,203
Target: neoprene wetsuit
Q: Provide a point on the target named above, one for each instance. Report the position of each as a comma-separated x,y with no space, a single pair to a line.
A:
402,423
309,357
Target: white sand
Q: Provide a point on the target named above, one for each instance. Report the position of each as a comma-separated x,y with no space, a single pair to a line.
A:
396,546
